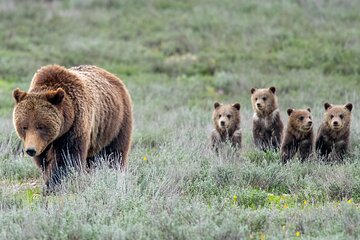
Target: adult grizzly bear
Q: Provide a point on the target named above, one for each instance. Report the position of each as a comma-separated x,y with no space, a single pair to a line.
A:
226,119
69,116
332,141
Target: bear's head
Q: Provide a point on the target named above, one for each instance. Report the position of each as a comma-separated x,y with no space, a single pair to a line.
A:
38,118
338,117
264,100
300,119
226,116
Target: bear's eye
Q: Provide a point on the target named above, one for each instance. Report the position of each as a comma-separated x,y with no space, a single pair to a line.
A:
256,99
264,98
331,116
301,118
24,128
228,116
341,116
310,117
40,127
219,115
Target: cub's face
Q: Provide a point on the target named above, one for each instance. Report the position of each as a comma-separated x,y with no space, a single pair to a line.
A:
263,99
300,119
36,119
227,116
338,116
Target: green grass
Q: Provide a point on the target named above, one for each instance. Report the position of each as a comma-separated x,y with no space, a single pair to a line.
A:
177,58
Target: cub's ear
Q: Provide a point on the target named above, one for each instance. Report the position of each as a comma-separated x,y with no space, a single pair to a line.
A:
272,89
237,106
309,110
253,90
216,105
349,106
19,95
327,106
55,97
289,111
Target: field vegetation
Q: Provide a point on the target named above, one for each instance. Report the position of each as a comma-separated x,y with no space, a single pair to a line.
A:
177,58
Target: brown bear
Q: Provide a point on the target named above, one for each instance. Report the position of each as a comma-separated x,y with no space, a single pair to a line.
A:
298,135
267,124
332,141
226,119
70,116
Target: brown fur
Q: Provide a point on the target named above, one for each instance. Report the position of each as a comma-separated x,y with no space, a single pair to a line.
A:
69,116
226,119
267,124
332,141
298,135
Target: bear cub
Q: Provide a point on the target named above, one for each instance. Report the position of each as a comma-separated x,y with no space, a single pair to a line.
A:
267,124
332,141
226,119
298,135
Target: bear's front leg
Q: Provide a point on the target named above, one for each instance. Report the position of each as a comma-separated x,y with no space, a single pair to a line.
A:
341,148
62,158
52,170
305,149
322,147
288,150
277,130
236,139
259,135
215,140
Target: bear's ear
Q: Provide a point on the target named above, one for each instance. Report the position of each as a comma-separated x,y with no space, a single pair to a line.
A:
309,110
216,105
349,106
289,111
55,97
19,95
237,106
253,90
272,89
327,106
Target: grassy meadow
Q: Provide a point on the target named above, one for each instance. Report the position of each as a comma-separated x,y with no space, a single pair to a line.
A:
177,58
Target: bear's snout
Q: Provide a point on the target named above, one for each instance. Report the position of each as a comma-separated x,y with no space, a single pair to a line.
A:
34,145
336,125
259,105
31,152
308,125
223,123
